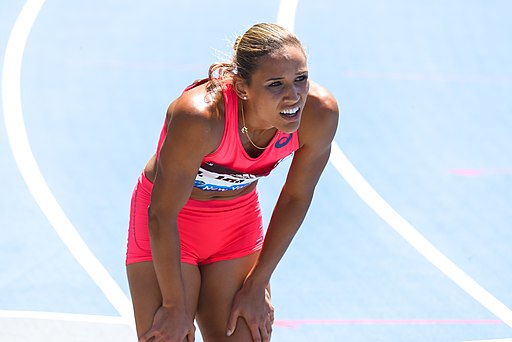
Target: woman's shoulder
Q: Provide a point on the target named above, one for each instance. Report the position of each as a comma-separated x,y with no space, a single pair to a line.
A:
321,99
199,103
320,116
197,112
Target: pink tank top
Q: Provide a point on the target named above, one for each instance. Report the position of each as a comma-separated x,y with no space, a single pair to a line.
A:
230,167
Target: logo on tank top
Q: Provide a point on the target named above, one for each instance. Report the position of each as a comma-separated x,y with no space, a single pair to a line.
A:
284,140
211,177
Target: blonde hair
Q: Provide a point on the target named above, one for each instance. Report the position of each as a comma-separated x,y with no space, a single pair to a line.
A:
258,41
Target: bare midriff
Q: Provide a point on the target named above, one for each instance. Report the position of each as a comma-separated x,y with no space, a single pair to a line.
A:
198,194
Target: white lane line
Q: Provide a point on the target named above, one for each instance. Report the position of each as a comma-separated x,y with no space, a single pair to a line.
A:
345,168
20,146
413,237
286,13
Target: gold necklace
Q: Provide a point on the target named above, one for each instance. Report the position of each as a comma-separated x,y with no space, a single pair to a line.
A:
246,131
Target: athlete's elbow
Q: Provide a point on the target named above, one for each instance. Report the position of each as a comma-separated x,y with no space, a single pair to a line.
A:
159,220
297,198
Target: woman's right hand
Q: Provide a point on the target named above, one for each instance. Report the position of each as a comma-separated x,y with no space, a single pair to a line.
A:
170,324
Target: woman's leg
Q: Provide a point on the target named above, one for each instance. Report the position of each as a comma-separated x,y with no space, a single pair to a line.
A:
219,283
146,295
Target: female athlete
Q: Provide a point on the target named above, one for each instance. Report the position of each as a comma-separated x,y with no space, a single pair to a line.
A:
196,247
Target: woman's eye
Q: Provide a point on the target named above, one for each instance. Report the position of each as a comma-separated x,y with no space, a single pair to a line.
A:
274,84
301,78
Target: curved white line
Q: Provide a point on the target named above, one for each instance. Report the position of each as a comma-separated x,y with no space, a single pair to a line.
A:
398,223
413,237
286,13
20,146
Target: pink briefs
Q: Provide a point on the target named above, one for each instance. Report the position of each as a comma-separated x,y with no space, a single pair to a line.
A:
210,231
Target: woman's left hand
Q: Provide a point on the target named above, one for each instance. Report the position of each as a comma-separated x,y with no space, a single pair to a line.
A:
255,307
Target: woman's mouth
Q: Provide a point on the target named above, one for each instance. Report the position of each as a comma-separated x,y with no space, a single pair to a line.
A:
290,114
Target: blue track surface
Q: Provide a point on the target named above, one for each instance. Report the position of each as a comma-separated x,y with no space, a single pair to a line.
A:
425,90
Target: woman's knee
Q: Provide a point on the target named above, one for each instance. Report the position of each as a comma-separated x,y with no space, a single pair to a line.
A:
146,295
220,283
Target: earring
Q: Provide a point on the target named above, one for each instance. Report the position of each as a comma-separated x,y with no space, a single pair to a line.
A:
244,98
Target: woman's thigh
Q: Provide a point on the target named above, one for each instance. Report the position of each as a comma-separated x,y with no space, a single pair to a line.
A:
146,295
220,281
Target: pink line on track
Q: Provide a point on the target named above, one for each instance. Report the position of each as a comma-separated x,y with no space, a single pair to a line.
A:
436,77
299,322
480,172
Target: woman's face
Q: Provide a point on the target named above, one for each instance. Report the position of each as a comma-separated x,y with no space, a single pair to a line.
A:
278,90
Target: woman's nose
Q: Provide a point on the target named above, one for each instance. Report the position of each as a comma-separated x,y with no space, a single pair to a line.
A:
293,93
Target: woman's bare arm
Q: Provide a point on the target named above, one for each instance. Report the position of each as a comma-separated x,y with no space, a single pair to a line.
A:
190,136
318,127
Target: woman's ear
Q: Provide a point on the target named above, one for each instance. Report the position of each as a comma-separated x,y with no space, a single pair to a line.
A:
240,87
